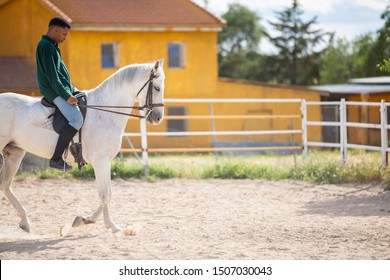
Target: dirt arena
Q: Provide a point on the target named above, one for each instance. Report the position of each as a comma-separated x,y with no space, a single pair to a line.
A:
201,219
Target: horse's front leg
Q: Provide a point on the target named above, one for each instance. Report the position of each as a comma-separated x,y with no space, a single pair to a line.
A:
103,180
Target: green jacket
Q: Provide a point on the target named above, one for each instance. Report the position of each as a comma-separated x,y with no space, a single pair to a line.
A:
52,75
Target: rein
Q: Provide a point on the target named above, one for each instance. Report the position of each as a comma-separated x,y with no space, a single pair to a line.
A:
148,103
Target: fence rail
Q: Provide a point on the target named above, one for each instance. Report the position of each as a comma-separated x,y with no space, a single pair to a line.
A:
216,133
343,124
217,117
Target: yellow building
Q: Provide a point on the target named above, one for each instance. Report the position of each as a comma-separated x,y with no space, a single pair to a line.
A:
109,34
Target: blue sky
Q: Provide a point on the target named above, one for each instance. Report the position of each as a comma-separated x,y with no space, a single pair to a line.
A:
347,18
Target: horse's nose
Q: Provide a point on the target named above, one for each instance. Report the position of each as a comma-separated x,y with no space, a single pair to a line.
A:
157,115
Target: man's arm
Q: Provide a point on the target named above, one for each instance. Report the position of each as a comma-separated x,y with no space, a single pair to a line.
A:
51,71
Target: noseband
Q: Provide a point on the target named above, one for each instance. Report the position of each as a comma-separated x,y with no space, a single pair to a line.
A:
149,105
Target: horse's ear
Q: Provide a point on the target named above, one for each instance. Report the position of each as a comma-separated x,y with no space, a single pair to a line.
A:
158,64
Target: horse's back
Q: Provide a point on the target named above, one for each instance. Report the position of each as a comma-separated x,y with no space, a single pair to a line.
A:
11,100
13,107
12,104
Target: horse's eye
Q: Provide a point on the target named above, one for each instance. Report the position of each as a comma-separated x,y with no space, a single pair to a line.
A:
157,88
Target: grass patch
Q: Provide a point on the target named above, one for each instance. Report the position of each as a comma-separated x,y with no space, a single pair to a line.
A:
119,169
245,171
330,172
21,176
53,174
321,168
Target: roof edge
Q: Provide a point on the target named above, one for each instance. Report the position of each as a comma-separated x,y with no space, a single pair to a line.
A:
219,22
55,9
145,28
219,19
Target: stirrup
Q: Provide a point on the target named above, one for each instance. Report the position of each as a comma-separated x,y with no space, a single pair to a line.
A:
77,151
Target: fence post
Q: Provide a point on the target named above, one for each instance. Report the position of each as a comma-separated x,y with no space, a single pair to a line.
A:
213,127
343,131
304,127
144,144
384,143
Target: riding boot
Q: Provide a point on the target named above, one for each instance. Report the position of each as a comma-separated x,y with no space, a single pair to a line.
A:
66,135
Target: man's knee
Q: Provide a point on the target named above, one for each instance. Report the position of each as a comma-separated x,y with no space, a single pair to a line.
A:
77,121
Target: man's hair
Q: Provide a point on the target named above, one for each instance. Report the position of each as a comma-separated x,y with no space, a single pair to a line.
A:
59,21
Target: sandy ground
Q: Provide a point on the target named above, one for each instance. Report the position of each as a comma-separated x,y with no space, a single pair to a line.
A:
201,219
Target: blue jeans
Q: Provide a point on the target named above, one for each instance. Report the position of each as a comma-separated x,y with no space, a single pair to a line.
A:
70,112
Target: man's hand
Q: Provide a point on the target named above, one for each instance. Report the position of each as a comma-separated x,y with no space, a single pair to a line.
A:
72,100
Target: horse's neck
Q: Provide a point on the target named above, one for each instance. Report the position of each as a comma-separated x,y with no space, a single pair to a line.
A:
111,96
121,87
118,90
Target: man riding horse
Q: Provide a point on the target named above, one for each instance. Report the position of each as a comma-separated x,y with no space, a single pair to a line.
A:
55,85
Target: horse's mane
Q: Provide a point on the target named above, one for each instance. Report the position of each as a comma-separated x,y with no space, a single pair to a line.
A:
123,76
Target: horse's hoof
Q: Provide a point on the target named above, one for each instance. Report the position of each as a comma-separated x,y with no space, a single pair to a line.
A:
64,230
79,221
88,222
115,229
25,227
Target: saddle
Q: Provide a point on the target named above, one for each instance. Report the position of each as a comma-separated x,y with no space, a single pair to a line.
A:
59,122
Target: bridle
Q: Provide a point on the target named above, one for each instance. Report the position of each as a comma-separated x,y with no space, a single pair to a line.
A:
149,105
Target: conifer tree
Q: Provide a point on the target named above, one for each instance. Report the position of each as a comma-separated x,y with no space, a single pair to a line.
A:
299,46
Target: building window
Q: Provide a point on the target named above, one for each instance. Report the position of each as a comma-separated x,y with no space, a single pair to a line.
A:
176,55
110,55
177,125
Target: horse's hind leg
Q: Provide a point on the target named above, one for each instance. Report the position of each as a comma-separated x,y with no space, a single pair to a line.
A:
80,220
93,218
12,157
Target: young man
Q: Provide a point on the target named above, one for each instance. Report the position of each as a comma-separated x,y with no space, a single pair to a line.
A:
55,85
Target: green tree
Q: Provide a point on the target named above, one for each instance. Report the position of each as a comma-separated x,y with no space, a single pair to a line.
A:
299,46
248,65
385,66
243,30
335,63
361,49
238,43
345,59
381,50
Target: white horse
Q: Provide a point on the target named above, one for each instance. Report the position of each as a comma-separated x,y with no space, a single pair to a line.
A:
24,126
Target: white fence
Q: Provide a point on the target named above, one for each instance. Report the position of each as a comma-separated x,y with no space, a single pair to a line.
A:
342,124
